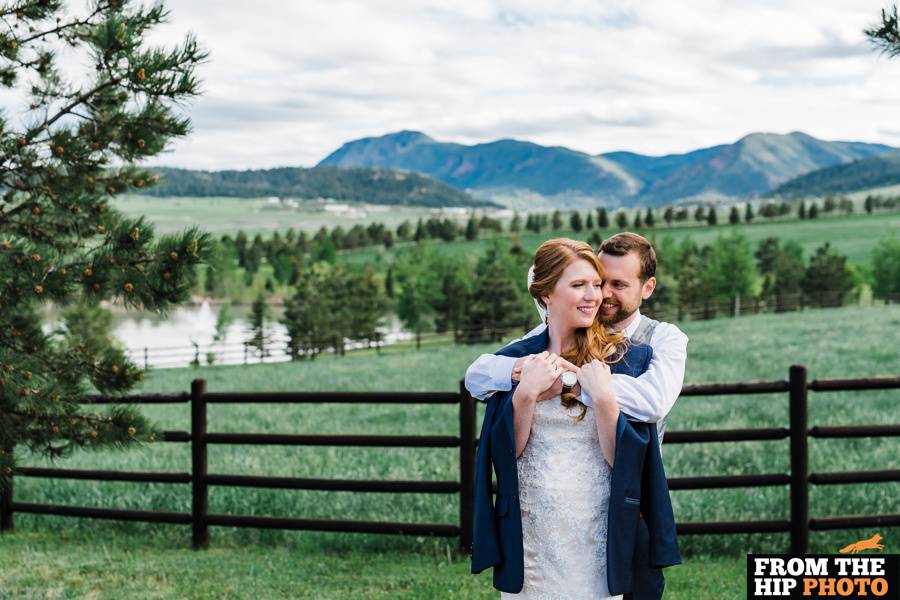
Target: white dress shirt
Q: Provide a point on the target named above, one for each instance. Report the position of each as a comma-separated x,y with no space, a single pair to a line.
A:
647,398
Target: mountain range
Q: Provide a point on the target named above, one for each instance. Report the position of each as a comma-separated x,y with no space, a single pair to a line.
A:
876,171
756,164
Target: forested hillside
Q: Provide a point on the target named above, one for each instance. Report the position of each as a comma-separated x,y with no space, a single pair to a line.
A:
375,186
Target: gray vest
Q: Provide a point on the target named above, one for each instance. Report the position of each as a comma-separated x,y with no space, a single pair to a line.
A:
642,335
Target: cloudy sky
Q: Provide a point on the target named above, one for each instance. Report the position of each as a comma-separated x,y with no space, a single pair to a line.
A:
289,82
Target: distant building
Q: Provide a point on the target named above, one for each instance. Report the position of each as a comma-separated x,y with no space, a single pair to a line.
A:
344,210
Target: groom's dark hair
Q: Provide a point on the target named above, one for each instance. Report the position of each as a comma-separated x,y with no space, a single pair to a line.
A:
625,242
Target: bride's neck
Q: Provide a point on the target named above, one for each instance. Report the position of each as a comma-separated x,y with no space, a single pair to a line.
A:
561,339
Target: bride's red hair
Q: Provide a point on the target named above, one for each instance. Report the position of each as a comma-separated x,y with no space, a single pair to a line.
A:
550,260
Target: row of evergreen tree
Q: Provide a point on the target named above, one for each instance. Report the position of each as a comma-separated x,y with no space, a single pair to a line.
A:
482,298
279,250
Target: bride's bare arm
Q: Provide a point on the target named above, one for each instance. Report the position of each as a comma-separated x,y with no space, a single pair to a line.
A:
539,374
596,378
606,416
523,414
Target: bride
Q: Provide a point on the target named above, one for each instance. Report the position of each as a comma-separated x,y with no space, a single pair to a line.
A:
563,450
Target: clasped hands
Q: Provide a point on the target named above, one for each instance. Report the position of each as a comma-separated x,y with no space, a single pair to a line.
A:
539,375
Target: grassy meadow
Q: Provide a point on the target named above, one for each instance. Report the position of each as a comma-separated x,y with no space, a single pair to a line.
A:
73,554
220,215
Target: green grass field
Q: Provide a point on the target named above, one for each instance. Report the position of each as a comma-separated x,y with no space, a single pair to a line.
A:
254,215
64,557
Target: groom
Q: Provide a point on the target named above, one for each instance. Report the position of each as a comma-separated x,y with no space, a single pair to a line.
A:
629,266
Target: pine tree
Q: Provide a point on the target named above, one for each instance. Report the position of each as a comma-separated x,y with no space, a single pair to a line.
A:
389,282
420,231
699,214
801,210
734,217
404,231
323,251
557,222
650,219
668,215
621,219
498,300
259,331
813,211
589,222
575,221
515,225
828,278
638,223
711,217
471,229
602,218
73,147
748,213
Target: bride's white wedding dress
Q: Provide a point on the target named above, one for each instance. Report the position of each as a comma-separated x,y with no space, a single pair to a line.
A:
564,487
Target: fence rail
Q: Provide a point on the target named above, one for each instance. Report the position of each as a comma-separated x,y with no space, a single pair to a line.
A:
798,479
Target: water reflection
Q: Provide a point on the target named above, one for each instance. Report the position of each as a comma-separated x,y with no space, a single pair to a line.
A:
186,335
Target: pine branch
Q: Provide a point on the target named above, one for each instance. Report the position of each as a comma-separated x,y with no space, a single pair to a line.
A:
886,36
60,28
79,100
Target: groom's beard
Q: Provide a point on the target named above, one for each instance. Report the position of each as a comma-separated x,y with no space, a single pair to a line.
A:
613,317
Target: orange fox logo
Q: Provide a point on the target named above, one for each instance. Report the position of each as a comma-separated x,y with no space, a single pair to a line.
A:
871,543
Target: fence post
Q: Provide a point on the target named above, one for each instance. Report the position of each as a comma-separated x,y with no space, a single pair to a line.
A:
467,423
799,461
6,499
200,498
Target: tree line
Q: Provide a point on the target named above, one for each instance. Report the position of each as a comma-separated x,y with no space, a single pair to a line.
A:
285,252
448,230
481,298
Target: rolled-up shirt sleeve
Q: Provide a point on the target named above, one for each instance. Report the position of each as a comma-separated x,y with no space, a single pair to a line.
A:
491,373
650,396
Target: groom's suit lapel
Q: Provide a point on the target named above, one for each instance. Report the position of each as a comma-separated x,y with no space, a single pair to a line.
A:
532,345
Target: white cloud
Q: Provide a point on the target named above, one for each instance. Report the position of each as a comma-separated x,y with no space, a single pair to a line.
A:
287,83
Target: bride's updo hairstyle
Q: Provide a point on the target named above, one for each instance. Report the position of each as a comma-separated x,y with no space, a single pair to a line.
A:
550,260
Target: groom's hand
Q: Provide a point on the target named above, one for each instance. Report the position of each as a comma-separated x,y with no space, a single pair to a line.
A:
517,367
595,378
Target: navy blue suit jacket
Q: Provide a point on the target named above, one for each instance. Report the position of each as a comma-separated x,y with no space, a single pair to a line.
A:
497,527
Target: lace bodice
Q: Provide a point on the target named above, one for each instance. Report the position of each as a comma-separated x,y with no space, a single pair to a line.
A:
564,487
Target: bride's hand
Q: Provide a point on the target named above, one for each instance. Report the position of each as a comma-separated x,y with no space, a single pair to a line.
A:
540,372
553,390
596,379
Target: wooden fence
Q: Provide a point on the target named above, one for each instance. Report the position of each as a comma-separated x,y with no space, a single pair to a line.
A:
798,479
